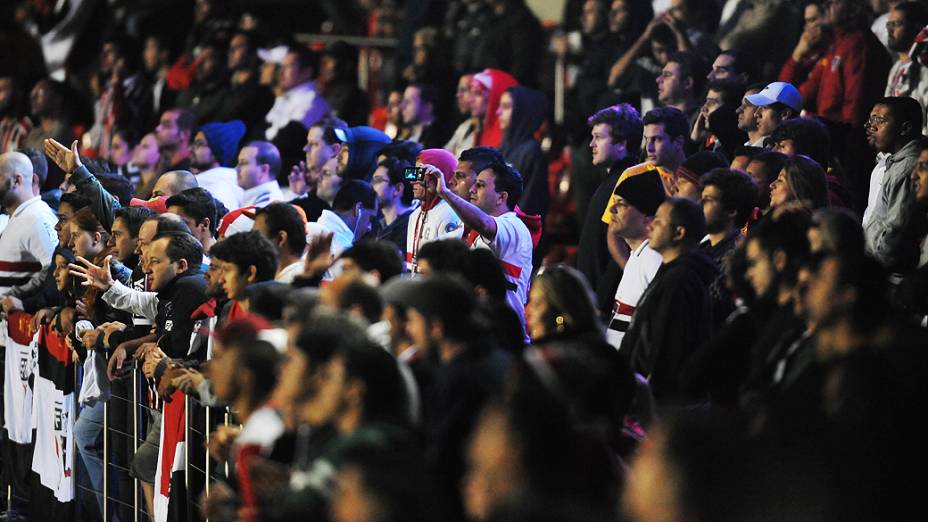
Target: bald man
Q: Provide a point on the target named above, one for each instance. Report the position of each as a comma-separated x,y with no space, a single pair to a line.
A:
29,239
174,182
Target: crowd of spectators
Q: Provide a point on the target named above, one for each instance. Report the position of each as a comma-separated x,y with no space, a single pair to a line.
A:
700,294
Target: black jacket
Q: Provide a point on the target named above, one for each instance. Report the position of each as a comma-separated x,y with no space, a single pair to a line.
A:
593,258
520,148
672,322
176,302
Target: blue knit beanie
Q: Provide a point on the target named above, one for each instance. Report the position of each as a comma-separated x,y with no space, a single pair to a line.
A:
223,140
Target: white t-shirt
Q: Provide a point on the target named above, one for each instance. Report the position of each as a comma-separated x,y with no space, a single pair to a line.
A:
262,195
513,246
643,264
301,103
342,238
222,183
439,222
27,243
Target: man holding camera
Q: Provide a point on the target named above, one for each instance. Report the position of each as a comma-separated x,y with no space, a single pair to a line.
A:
433,219
490,215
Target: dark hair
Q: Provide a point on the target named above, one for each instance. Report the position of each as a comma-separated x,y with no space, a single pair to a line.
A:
664,35
384,391
674,121
773,161
247,249
807,181
507,179
394,479
267,154
268,299
306,57
117,185
359,293
396,169
731,90
169,223
915,13
741,62
481,157
484,270
452,303
810,137
841,232
738,192
427,93
328,124
688,214
262,360
786,232
382,256
87,221
39,163
75,200
133,217
354,191
324,332
692,65
446,255
129,135
283,217
197,204
624,123
186,120
182,245
128,49
905,109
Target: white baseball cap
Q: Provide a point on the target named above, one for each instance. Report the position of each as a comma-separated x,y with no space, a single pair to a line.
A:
781,92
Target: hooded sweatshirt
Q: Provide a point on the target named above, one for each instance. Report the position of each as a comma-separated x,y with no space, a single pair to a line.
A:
672,322
520,148
496,82
364,143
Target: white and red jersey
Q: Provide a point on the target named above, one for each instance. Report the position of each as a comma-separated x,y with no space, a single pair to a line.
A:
643,264
426,225
27,243
513,246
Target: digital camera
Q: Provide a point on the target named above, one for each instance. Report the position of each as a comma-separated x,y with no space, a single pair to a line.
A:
414,174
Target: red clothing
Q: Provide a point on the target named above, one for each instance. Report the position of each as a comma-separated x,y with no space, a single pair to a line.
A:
845,83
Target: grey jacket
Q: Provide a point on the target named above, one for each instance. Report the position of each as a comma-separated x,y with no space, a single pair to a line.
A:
885,231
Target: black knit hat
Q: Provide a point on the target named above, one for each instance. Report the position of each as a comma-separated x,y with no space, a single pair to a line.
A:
643,191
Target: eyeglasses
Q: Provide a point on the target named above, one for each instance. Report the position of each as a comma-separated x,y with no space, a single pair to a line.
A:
876,121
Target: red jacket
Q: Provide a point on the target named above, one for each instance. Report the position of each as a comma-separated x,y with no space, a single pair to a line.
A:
844,84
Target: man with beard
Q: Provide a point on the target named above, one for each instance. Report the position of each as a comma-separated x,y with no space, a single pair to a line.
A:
174,132
907,77
214,148
893,129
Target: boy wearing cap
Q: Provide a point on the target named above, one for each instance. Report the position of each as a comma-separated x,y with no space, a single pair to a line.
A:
636,201
433,219
776,103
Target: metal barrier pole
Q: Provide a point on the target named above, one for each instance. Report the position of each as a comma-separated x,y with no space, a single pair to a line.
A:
135,439
187,443
206,464
227,422
106,460
75,394
560,73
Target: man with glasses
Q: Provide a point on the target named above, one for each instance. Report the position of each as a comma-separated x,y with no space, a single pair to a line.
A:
893,130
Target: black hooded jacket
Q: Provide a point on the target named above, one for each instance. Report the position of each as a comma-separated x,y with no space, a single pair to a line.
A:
672,322
529,110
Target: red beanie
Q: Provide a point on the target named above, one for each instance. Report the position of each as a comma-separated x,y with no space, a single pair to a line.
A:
440,159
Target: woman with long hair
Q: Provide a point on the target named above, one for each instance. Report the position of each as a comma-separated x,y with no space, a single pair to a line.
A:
801,181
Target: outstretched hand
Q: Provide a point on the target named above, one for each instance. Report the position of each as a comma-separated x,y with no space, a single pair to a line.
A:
68,160
93,275
319,257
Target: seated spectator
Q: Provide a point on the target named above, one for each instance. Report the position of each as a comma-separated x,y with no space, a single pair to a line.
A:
775,104
376,261
464,134
122,145
357,157
521,113
14,124
893,129
747,121
486,89
338,83
146,158
353,210
807,136
175,132
802,181
209,89
764,169
214,148
321,147
198,209
394,199
285,228
678,295
298,99
906,77
733,65
248,100
258,167
716,127
681,82
728,200
418,108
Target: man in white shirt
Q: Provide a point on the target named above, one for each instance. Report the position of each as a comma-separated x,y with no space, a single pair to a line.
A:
257,169
214,148
637,199
299,101
433,219
490,213
353,210
29,239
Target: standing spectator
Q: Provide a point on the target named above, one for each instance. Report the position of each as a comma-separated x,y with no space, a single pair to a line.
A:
214,148
420,122
616,138
840,87
907,77
14,125
776,103
433,219
486,88
637,199
175,132
522,112
679,295
394,197
299,101
490,213
893,129
258,166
